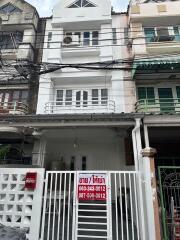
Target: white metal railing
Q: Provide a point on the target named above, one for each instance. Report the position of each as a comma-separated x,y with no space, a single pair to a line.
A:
13,108
80,106
67,217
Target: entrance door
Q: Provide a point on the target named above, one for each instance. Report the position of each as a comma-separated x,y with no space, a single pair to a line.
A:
78,163
81,98
166,99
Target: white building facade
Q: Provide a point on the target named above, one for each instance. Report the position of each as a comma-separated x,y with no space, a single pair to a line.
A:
81,32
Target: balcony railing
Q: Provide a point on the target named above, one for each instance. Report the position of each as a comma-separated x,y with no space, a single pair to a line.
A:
158,105
71,107
13,108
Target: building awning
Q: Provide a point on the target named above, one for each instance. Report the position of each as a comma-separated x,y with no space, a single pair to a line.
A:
155,63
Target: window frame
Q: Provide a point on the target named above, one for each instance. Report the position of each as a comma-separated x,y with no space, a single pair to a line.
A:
171,33
83,40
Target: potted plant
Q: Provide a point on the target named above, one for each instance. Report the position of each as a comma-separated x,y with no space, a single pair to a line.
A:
4,150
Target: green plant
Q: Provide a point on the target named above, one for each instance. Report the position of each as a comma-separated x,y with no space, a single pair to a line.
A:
4,151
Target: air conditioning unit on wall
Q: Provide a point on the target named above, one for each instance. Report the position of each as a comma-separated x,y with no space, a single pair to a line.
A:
71,40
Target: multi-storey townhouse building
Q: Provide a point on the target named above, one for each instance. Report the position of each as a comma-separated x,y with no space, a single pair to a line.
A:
78,33
154,38
21,32
97,183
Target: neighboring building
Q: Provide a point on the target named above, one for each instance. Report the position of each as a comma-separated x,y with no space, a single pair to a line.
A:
155,39
21,41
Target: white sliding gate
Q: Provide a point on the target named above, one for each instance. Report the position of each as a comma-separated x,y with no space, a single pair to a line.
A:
92,205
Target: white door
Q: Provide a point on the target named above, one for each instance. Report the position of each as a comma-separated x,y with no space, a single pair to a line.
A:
78,162
81,99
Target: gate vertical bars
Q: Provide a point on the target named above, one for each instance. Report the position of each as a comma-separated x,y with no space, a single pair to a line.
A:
60,220
169,184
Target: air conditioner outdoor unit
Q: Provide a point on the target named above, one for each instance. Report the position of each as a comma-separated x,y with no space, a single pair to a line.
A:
71,40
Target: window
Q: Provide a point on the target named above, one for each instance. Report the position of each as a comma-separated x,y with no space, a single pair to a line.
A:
59,97
114,35
146,93
178,93
81,3
14,96
126,36
24,96
95,97
162,34
176,33
104,96
68,97
150,34
86,39
9,8
95,38
49,39
11,40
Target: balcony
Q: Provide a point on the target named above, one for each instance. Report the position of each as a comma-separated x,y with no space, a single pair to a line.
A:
15,108
166,105
104,106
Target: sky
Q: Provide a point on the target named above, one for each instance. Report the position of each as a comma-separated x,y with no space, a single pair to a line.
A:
44,7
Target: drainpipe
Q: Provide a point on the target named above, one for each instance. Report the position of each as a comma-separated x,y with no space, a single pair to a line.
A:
137,146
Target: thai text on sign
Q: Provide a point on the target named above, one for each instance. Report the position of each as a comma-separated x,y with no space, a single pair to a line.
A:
92,186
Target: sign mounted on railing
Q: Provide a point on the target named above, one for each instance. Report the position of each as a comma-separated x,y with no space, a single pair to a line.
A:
92,186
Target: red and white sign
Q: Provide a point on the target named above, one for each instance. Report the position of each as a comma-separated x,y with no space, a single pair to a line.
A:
92,186
30,180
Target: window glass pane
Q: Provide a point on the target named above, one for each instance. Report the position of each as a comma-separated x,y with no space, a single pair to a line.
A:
178,93
95,36
149,34
95,96
86,41
1,97
68,97
85,98
59,98
16,95
141,93
126,35
19,37
114,35
176,34
78,3
104,96
49,36
146,93
150,93
24,95
78,98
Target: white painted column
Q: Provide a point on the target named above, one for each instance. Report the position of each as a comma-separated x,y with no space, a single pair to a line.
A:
45,95
55,53
118,91
106,42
